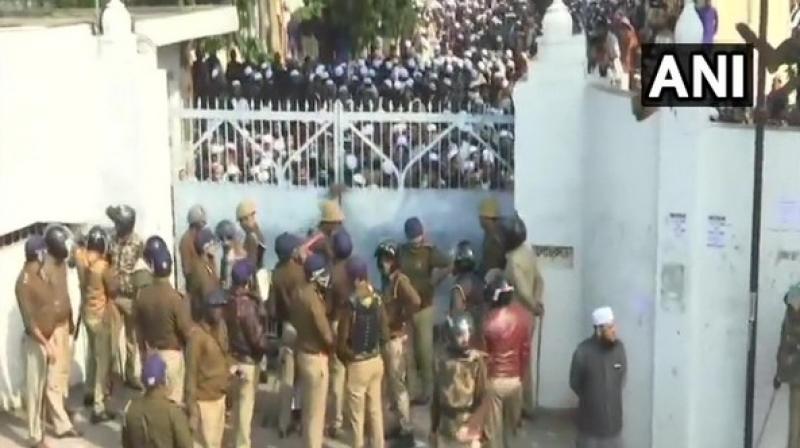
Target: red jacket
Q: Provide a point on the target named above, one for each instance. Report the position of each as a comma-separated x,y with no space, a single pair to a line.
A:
507,333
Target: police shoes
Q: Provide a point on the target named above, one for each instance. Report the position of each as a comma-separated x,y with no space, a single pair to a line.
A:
102,417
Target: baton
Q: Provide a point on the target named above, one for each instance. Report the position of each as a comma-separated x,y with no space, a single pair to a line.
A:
766,418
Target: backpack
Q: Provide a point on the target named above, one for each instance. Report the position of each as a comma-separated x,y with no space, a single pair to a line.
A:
365,327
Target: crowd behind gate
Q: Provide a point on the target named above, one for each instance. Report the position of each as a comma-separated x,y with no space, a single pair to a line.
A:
351,357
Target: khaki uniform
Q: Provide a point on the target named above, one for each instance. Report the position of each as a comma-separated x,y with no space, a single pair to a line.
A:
338,294
154,421
207,381
493,254
505,407
287,277
188,253
467,295
523,273
401,302
164,326
459,392
124,254
364,374
313,346
48,312
101,317
254,245
418,262
204,281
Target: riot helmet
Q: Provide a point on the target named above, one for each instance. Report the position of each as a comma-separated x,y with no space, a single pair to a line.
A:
160,261
97,240
387,252
196,216
151,246
459,330
342,244
316,270
285,245
56,238
123,217
226,231
464,259
514,232
499,291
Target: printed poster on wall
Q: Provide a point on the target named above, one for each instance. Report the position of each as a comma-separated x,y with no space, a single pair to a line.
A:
677,225
716,231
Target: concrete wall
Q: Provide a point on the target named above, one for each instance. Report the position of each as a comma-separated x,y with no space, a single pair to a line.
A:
640,195
80,129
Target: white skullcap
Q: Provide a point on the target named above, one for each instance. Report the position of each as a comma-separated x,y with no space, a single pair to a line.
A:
320,69
215,73
351,161
431,127
233,170
487,155
338,71
387,166
367,130
230,146
236,82
263,176
402,141
359,179
280,145
217,149
257,76
433,157
248,71
504,84
399,127
602,316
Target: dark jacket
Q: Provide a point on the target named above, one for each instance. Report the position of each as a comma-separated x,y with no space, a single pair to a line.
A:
153,421
507,333
597,375
246,333
162,317
343,347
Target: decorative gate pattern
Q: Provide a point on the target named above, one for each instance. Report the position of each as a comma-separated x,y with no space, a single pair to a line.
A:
378,149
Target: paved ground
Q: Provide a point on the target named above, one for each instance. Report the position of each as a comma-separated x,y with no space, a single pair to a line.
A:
547,432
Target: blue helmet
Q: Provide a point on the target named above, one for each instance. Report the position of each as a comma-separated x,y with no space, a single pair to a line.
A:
35,248
242,272
160,261
342,244
203,239
151,246
285,244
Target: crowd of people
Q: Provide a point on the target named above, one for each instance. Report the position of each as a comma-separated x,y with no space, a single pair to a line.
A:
349,349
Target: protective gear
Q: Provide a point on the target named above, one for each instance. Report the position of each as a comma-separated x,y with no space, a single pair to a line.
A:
387,250
489,208
196,216
464,259
97,240
514,232
316,270
330,211
356,269
35,248
160,261
153,244
413,228
226,230
242,272
459,330
499,292
56,238
154,371
365,330
202,240
245,209
123,217
286,244
342,244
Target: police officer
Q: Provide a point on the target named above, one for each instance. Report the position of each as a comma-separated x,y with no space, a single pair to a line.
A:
254,244
45,317
126,248
100,285
338,295
362,333
507,331
424,264
460,386
402,302
314,344
162,317
205,277
196,219
153,419
788,366
232,249
522,273
494,254
466,295
331,221
208,372
288,276
248,343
